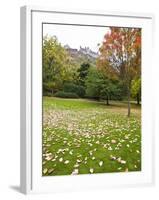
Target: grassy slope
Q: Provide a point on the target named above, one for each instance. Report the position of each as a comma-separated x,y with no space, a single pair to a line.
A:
86,134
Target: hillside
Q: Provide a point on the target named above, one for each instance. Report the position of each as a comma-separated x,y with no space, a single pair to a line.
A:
82,55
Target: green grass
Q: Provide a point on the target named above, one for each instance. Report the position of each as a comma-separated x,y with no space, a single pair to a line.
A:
89,137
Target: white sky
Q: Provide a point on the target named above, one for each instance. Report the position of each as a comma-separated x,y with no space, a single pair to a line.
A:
76,36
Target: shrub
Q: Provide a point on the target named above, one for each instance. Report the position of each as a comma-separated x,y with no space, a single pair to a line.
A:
48,94
72,88
63,94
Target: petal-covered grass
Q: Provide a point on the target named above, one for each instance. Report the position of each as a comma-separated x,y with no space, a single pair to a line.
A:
87,137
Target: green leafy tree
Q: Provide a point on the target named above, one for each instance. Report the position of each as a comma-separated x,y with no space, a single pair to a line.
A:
136,89
73,88
57,67
98,86
82,73
93,84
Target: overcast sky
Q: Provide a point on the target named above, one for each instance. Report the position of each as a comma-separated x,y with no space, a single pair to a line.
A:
76,36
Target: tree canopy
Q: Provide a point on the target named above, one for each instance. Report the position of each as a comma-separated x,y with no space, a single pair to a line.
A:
57,67
120,56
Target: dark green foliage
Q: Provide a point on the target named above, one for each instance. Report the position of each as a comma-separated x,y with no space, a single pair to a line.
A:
63,94
47,94
83,72
73,88
99,86
123,90
93,84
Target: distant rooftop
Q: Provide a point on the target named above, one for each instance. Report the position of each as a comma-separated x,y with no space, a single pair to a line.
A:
85,50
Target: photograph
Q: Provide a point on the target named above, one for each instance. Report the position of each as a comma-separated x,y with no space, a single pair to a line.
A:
91,99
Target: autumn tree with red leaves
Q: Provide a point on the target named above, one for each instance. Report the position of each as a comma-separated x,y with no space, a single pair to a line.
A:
120,56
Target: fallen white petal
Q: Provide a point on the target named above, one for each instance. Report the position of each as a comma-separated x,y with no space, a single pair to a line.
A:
75,172
61,159
67,161
91,170
100,163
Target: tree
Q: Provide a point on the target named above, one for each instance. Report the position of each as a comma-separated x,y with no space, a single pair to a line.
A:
136,89
82,73
57,67
98,86
120,56
93,84
73,88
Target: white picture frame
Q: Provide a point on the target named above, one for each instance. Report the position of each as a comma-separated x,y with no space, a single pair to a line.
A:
31,97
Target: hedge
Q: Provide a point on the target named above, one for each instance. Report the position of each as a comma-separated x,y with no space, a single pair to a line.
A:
63,94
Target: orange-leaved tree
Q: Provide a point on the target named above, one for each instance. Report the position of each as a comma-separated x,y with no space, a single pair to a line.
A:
120,56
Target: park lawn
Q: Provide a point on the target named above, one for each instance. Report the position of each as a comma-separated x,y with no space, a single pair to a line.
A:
82,136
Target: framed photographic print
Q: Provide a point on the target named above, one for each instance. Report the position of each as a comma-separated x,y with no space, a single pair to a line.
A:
86,112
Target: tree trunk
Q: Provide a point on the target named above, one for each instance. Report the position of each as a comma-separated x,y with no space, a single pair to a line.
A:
129,107
52,91
107,100
138,99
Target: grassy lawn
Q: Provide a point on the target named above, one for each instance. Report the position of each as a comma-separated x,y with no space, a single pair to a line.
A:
83,136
